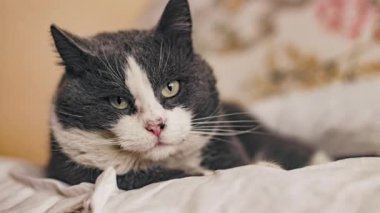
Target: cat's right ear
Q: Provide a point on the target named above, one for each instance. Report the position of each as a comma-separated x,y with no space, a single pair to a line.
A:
175,23
70,47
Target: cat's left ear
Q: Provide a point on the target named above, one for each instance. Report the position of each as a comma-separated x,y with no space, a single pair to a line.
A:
175,22
71,48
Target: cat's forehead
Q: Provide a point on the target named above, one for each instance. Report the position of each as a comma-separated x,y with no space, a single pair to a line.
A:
154,55
133,41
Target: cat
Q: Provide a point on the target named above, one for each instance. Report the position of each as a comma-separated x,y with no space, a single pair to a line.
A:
145,103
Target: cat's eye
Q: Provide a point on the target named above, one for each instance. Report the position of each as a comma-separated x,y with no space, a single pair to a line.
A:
118,102
171,89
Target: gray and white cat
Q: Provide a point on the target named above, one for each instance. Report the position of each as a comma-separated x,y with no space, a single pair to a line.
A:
145,103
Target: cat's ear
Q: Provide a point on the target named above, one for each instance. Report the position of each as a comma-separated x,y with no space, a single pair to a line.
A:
71,48
175,22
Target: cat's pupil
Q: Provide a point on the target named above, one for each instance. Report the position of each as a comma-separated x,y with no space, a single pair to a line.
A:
119,100
170,87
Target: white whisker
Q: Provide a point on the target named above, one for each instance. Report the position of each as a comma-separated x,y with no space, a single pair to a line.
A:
167,59
69,114
225,126
224,133
212,114
160,57
215,130
222,140
224,122
222,115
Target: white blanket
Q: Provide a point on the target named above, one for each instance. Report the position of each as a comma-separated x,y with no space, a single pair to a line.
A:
343,119
347,186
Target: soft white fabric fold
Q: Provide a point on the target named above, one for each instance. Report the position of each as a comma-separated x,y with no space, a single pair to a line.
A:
349,186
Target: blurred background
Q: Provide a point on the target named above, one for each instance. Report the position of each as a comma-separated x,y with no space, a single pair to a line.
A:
307,68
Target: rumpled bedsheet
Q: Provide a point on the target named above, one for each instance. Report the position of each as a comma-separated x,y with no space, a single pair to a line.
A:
348,186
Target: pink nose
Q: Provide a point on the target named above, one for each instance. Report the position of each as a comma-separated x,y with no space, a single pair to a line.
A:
155,128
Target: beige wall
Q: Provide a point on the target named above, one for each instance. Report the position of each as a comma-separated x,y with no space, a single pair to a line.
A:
28,74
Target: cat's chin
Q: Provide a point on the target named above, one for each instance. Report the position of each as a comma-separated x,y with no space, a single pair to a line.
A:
160,152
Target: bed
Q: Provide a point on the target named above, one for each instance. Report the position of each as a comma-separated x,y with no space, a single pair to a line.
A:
351,185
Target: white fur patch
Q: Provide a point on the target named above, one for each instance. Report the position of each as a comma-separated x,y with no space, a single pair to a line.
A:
90,149
138,84
320,158
268,164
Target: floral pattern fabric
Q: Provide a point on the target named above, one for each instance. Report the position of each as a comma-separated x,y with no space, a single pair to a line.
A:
261,48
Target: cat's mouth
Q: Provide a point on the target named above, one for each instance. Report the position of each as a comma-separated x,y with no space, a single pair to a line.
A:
161,144
108,134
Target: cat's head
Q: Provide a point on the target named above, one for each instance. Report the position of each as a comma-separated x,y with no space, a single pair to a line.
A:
137,91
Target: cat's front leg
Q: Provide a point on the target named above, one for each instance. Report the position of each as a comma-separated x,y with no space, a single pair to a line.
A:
139,178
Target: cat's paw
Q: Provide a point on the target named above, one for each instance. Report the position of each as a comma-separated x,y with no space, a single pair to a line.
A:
208,172
319,157
199,171
268,164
